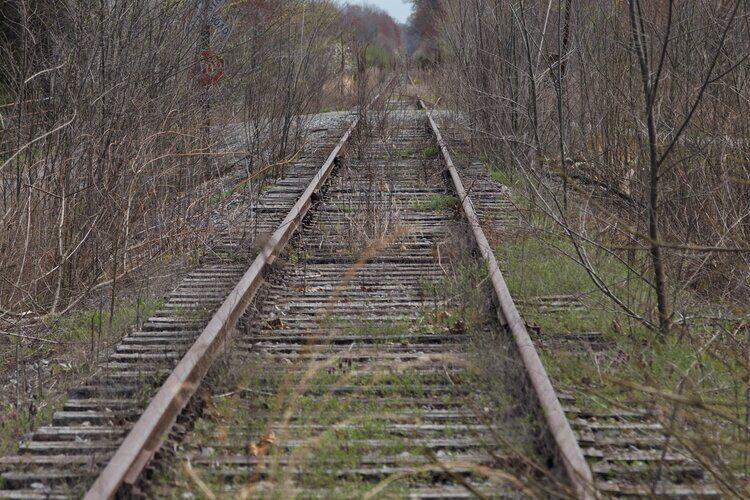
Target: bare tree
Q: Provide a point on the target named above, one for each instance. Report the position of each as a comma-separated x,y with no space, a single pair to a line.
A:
107,134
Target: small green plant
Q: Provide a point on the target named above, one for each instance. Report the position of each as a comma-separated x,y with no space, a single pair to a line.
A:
22,419
438,202
430,152
405,153
343,207
502,176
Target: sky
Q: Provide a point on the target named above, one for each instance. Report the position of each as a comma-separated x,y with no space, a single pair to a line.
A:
398,9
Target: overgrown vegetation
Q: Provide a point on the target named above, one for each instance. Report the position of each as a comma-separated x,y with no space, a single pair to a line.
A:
438,202
629,166
691,377
430,152
665,171
118,125
116,118
503,176
81,325
334,431
331,416
39,376
129,134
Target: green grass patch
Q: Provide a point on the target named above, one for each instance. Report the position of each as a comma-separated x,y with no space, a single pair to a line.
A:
75,332
430,152
343,424
437,202
406,153
544,268
80,325
501,174
378,329
17,421
539,269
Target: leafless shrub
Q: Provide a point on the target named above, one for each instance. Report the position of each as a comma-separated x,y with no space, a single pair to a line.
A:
551,94
110,124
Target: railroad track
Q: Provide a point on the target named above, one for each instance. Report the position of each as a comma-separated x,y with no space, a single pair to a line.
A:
63,458
629,450
384,394
337,382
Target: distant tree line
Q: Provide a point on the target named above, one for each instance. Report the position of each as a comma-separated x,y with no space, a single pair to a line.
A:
375,31
422,32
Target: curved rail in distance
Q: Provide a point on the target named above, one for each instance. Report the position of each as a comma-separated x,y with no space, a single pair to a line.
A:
578,470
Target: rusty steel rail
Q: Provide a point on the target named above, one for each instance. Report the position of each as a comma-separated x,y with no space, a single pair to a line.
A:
149,431
577,469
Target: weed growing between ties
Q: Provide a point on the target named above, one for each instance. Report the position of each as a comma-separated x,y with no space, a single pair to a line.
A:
430,152
409,396
438,202
295,426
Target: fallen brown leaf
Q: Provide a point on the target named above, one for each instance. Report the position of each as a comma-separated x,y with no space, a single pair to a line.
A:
261,448
207,403
277,323
222,434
